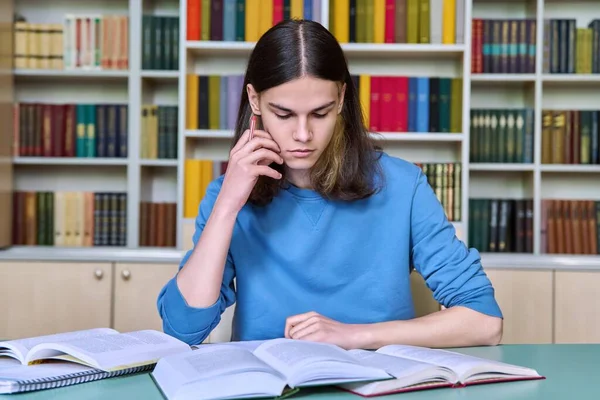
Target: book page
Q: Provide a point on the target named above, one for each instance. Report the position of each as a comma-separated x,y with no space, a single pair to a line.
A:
112,352
400,367
226,363
462,364
287,355
22,346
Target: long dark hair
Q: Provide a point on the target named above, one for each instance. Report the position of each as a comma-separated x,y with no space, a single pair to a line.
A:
348,168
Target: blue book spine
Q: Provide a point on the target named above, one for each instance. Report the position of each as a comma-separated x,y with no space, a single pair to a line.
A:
412,104
229,20
316,10
422,104
308,10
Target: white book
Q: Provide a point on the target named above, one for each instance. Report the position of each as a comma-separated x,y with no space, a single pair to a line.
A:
104,349
249,370
282,366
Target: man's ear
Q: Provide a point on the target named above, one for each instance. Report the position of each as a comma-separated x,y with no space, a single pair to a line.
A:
342,93
253,99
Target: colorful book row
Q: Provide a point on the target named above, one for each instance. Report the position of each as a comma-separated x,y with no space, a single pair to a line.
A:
80,42
243,20
69,219
445,180
570,226
198,174
503,46
570,137
390,103
158,224
501,135
70,130
501,225
159,127
160,43
569,49
397,21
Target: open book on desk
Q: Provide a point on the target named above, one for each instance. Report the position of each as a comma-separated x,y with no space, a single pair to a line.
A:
274,367
247,370
104,349
418,368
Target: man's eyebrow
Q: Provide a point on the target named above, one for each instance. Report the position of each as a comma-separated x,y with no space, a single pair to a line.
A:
282,108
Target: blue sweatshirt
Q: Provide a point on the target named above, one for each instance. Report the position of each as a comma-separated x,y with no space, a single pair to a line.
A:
349,261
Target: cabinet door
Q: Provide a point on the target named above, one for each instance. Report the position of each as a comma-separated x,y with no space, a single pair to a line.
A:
577,309
136,291
42,298
525,298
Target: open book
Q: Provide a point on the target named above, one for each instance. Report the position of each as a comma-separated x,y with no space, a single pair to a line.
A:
104,349
416,368
247,370
274,367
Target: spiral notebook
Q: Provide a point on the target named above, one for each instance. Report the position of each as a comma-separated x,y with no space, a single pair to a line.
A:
17,378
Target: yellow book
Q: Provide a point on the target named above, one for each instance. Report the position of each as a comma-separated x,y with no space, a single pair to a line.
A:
252,24
191,114
412,21
456,97
297,9
153,132
205,20
449,22
214,94
341,24
364,85
266,17
207,176
379,21
192,188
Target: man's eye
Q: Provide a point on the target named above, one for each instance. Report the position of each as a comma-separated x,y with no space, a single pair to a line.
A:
283,116
320,115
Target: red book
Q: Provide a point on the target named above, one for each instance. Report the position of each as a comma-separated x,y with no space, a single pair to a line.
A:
401,104
277,11
193,19
387,100
390,20
375,107
477,46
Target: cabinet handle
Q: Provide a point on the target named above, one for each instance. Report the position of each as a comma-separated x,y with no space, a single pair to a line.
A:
126,274
99,274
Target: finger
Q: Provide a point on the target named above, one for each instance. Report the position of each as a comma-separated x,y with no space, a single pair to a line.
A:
262,154
294,320
241,142
258,142
267,171
302,325
305,329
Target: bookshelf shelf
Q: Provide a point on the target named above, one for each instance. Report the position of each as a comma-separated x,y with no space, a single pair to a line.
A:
571,78
503,77
160,75
78,161
501,167
213,48
570,168
383,136
158,163
71,74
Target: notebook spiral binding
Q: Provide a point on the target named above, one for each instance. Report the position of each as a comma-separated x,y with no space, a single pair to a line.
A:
74,379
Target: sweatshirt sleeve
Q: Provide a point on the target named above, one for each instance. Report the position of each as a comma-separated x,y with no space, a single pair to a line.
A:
451,270
192,325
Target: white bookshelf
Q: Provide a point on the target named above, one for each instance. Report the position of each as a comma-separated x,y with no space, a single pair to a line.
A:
162,180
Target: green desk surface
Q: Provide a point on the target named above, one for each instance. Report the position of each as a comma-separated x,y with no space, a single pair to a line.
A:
572,372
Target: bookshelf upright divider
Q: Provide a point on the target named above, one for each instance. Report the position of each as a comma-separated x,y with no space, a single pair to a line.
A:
135,100
466,120
182,110
537,159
